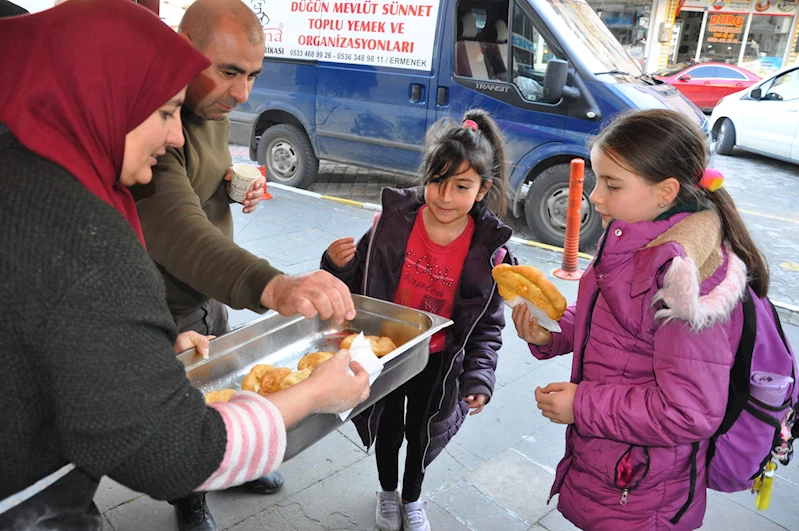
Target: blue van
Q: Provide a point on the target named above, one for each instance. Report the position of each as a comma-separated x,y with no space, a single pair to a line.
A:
549,71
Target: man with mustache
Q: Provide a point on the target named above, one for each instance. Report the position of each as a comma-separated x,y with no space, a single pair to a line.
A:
185,210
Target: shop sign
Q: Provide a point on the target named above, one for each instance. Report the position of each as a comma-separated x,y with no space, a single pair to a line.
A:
725,27
373,32
759,7
693,5
776,7
731,6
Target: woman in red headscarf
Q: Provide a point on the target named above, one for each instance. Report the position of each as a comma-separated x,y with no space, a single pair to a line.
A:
90,93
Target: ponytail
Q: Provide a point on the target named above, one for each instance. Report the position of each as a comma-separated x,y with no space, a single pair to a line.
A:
741,240
496,199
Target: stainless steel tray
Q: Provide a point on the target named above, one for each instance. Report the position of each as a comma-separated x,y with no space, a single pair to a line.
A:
282,341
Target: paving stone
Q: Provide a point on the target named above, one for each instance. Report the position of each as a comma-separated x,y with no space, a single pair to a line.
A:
463,456
477,511
345,500
111,494
440,519
293,247
724,514
107,525
143,513
239,318
544,447
516,483
269,519
348,430
783,510
332,454
515,359
511,414
554,521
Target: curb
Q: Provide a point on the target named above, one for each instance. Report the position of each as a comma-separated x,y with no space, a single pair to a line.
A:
789,314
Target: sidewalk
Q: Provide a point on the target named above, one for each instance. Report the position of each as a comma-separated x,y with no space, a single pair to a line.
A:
496,473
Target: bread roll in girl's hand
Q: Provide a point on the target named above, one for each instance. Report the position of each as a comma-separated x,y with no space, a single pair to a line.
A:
530,284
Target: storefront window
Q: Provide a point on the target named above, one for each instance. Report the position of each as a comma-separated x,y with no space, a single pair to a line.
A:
628,21
723,37
685,37
766,44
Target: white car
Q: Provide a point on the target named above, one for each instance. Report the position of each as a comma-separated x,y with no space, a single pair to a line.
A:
763,118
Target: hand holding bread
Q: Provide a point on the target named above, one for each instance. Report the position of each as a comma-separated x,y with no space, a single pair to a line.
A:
528,328
530,284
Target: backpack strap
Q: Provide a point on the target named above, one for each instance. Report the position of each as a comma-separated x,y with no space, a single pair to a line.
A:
500,256
741,372
692,485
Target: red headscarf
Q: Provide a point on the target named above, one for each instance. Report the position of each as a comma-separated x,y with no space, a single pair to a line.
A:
75,79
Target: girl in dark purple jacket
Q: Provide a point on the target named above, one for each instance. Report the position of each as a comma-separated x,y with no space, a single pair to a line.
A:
433,249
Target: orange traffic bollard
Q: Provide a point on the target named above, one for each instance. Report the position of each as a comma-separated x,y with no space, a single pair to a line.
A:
571,245
266,195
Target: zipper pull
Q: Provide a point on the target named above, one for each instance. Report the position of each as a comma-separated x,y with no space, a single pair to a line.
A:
623,500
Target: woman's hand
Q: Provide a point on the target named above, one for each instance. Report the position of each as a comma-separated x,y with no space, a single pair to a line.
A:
342,251
336,388
191,339
528,328
556,402
476,403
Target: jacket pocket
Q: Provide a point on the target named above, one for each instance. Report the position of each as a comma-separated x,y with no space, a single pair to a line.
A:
631,469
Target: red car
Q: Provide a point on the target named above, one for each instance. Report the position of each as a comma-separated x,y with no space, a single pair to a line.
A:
706,83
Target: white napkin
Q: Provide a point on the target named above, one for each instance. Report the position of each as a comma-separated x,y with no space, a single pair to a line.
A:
543,318
361,351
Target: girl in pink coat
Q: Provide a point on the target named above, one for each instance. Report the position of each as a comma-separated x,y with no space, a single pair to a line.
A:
654,331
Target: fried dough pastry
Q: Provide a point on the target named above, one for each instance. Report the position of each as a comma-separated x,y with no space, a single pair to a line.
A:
529,283
380,345
294,378
264,379
270,382
312,360
223,395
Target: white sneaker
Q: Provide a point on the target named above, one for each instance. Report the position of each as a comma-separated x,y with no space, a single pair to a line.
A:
387,513
414,517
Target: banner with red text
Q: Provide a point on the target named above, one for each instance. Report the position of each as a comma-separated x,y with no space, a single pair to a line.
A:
394,33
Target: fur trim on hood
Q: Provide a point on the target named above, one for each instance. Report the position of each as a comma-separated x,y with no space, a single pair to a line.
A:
682,284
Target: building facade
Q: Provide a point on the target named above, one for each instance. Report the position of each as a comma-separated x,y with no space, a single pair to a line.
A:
761,36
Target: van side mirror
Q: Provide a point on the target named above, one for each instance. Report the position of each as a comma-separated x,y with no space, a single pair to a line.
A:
555,81
756,94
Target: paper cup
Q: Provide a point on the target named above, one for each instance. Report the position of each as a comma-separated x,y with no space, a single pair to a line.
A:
244,176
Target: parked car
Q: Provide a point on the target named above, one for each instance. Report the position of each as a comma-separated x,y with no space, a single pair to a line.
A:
763,119
706,83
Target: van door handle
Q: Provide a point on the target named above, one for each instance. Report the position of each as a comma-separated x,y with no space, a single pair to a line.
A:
442,97
416,93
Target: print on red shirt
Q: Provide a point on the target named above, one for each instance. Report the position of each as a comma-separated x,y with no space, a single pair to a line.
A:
431,272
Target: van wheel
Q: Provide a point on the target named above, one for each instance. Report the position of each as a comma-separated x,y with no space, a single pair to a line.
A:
287,154
725,138
546,205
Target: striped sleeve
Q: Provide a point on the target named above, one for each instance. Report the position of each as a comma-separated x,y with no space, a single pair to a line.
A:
256,441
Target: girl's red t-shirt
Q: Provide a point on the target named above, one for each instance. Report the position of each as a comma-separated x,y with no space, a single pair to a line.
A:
431,272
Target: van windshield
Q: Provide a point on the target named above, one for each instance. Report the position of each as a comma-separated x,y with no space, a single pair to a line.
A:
603,52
